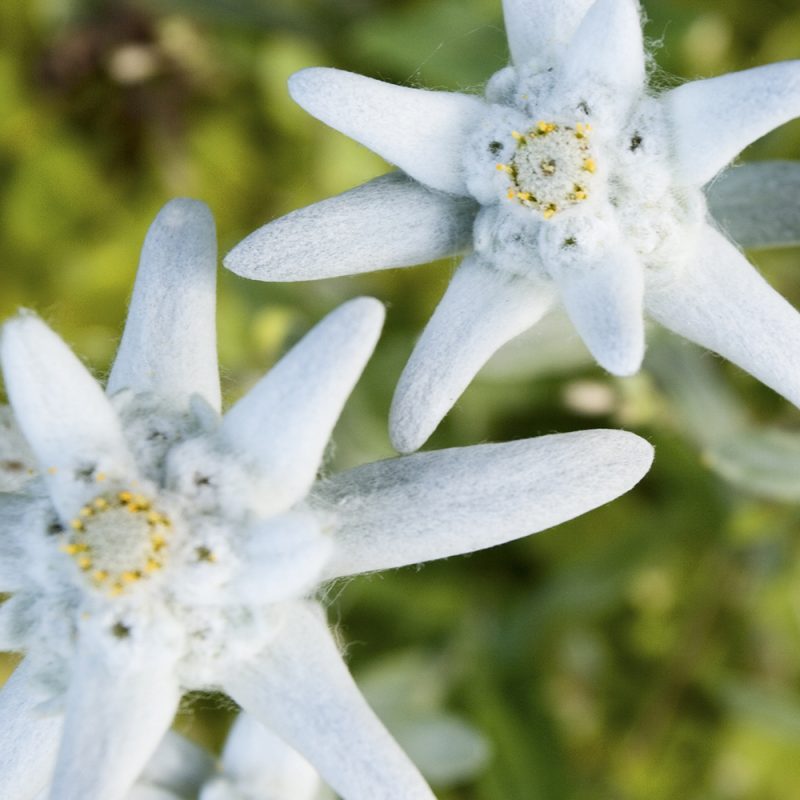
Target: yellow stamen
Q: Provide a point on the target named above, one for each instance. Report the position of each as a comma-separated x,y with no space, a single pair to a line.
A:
85,562
518,136
580,193
590,165
76,525
100,575
125,497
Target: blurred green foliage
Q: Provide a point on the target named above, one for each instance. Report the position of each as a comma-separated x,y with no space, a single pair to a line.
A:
649,650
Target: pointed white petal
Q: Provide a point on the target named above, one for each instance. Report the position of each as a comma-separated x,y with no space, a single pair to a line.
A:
606,57
62,411
721,302
115,717
301,689
285,421
434,505
391,221
179,766
170,344
537,29
28,740
482,309
256,760
605,302
758,204
421,132
713,120
284,558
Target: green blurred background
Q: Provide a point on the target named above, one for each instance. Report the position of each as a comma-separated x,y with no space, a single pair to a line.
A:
648,650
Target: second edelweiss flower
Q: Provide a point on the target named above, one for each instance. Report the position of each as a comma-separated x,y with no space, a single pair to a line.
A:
569,182
165,548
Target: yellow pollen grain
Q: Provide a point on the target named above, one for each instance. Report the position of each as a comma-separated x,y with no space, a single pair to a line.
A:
550,211
504,168
86,511
100,575
85,562
100,477
518,136
100,504
125,497
590,165
76,525
117,589
152,565
131,576
511,194
545,127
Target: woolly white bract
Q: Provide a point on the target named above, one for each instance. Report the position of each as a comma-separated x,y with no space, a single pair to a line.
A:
163,548
569,182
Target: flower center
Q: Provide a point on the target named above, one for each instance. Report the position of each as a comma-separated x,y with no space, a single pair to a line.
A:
118,540
552,167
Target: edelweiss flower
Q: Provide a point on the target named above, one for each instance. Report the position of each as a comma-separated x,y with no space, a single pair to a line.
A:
570,181
163,548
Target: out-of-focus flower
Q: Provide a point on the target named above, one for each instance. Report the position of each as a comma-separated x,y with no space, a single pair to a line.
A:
163,548
571,181
257,765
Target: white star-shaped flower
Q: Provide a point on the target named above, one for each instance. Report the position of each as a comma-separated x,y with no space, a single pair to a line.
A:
163,548
571,181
